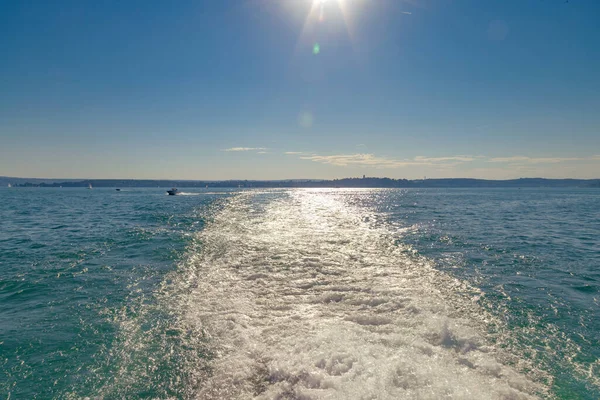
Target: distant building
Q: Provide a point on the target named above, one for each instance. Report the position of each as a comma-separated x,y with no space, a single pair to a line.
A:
364,177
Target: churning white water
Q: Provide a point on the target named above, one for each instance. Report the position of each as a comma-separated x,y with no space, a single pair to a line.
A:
304,296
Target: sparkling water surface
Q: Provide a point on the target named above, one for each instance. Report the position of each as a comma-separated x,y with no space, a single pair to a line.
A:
300,294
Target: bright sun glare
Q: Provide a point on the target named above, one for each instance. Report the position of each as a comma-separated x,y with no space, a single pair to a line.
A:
317,15
322,2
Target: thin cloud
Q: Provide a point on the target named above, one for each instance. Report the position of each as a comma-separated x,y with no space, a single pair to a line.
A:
345,160
533,160
368,159
374,161
443,159
293,152
363,159
406,12
245,149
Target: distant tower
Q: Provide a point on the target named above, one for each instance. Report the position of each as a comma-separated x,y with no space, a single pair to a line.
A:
363,177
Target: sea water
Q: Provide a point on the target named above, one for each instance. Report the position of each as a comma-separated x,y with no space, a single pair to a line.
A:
300,294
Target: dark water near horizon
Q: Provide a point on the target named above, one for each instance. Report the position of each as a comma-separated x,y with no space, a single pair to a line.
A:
300,294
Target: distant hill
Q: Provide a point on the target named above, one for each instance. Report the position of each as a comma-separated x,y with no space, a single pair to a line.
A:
5,180
314,183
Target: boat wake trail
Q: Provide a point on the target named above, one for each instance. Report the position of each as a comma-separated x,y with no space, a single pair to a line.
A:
299,296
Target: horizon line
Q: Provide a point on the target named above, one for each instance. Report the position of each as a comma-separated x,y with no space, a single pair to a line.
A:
287,179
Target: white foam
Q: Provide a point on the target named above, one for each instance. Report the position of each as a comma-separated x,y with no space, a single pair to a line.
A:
306,300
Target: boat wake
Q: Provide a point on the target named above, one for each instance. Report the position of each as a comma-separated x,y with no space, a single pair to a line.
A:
300,295
301,298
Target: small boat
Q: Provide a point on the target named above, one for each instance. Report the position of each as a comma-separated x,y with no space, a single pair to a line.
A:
9,185
173,191
118,190
90,186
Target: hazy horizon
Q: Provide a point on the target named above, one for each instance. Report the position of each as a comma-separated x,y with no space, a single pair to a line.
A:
275,180
270,89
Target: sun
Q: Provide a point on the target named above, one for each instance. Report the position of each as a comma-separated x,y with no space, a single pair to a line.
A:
335,14
323,2
319,7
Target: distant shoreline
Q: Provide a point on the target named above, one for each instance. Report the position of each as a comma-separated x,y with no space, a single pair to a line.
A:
366,182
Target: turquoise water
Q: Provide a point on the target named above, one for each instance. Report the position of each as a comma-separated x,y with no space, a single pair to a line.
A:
306,294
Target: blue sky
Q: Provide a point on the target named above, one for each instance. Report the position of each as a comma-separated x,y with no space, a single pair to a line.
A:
236,89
